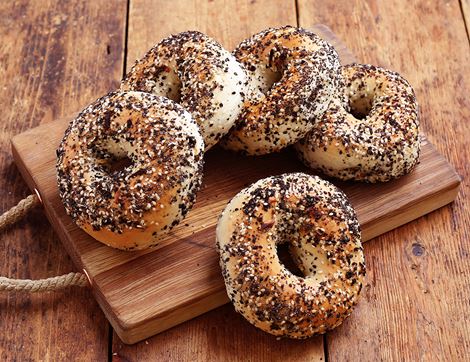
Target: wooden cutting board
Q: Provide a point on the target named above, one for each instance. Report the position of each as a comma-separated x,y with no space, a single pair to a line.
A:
146,292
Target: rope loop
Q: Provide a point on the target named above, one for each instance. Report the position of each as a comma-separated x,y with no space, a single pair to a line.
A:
7,219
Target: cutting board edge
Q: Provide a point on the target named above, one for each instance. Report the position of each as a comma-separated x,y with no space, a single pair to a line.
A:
30,181
133,332
427,205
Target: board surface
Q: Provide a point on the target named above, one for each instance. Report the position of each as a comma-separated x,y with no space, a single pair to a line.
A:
145,292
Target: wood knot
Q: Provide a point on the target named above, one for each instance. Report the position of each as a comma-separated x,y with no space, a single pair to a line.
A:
417,249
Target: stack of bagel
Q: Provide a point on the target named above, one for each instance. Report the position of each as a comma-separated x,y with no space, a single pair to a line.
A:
131,163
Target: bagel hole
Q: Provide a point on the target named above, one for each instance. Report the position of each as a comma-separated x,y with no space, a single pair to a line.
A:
269,80
114,157
174,92
361,106
169,85
286,259
115,164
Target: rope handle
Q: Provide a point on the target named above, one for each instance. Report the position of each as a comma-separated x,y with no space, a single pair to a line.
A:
40,285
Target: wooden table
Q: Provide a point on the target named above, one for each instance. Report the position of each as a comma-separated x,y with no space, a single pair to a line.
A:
57,57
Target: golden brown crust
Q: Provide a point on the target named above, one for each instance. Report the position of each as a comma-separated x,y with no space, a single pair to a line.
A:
321,228
370,133
197,72
292,75
132,206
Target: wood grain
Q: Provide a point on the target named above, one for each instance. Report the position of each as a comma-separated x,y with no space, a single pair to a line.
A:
227,21
185,277
416,300
465,6
220,334
54,58
432,55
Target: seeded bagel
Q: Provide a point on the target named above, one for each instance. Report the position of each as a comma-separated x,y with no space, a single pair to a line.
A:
292,76
370,132
129,167
195,71
317,222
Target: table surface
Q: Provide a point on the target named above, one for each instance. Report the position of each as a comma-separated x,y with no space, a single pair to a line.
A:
57,56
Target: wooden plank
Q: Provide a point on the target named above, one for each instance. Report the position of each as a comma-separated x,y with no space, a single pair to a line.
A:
465,6
219,335
228,22
415,301
54,58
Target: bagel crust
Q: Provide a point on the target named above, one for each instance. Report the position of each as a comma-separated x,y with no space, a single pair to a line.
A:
292,77
370,133
195,71
320,227
160,150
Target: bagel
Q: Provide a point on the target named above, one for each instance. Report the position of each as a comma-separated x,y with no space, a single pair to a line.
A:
195,71
129,167
370,133
320,226
292,76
